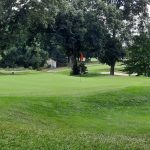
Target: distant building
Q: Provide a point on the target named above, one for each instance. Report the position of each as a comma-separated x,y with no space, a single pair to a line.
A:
52,63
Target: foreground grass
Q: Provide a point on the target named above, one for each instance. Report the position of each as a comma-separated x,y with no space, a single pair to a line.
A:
57,111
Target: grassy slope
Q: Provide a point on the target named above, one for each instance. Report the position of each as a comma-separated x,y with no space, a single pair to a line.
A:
57,111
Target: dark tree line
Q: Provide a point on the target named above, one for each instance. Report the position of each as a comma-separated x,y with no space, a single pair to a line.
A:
33,30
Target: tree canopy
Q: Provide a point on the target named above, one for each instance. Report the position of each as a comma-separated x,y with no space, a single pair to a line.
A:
104,28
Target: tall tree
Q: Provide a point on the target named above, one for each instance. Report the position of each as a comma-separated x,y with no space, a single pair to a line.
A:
96,27
111,53
124,18
112,50
71,32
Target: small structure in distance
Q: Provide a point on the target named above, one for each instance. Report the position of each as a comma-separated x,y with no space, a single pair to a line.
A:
52,63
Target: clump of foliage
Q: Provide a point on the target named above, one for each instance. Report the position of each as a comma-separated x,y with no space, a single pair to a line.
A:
81,68
112,53
24,57
138,56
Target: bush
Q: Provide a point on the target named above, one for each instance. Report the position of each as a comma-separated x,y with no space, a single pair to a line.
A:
24,57
83,68
79,69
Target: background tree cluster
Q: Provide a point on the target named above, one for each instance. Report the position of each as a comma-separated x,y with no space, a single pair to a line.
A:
33,30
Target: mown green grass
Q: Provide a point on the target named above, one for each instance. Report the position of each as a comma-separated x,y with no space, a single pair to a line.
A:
58,112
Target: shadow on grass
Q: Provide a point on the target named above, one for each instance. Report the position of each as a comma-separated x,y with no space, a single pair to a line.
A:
91,75
15,74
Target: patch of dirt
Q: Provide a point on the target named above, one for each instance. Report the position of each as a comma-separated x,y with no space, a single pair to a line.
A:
118,74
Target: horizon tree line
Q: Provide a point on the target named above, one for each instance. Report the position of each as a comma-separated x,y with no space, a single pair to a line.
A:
33,30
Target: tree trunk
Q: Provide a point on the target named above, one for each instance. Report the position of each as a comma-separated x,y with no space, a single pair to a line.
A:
75,69
70,61
112,70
